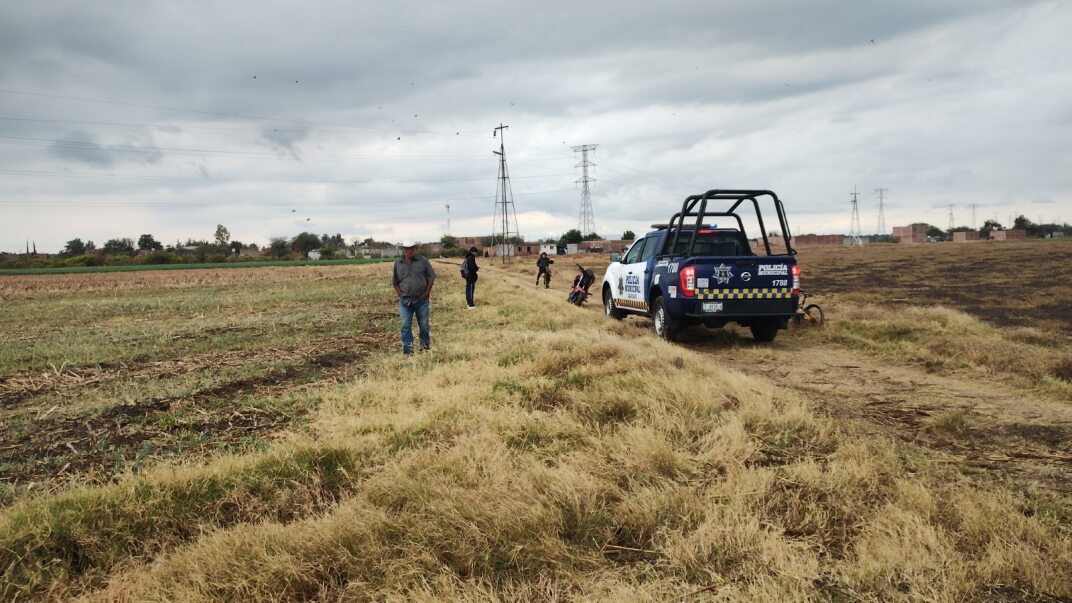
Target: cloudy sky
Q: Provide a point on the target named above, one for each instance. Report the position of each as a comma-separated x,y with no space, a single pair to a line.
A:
367,118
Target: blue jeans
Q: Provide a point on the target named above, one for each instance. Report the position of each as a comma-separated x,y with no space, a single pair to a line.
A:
470,288
406,312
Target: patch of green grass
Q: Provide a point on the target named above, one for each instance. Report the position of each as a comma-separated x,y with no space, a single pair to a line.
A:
207,265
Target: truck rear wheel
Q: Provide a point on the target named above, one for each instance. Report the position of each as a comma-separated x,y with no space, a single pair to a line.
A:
609,307
664,326
764,329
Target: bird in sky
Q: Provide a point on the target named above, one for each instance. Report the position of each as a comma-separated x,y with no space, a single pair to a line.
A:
293,211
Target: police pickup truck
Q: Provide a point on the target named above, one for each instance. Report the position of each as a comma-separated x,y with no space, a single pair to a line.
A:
693,271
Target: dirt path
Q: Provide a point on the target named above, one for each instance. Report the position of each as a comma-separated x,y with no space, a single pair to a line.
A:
983,426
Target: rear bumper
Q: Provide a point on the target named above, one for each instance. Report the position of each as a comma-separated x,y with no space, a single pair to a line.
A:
734,309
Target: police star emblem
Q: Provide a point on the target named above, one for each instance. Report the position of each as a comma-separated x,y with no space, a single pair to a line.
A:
722,274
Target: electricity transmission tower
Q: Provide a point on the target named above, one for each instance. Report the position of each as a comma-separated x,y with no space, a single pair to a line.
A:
973,217
950,217
448,219
587,221
854,226
881,212
504,220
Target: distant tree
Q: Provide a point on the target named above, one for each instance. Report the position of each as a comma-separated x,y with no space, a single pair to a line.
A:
119,246
591,237
1022,223
306,242
988,226
571,236
146,242
963,229
937,233
278,247
252,247
223,236
90,246
448,241
236,247
74,247
628,235
337,241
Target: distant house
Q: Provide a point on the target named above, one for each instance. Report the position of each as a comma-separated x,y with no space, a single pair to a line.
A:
806,240
1008,235
965,236
914,233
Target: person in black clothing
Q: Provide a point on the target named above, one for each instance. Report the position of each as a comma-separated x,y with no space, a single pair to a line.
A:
470,276
545,271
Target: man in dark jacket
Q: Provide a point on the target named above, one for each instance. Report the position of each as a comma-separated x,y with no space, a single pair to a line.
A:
413,278
544,264
470,274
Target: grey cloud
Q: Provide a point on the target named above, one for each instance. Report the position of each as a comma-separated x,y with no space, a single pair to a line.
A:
81,147
284,141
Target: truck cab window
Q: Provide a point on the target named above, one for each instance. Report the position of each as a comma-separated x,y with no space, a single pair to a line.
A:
634,252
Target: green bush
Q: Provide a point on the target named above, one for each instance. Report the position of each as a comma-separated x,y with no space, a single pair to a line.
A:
161,258
79,260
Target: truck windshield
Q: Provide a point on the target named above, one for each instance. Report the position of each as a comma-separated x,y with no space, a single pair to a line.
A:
713,242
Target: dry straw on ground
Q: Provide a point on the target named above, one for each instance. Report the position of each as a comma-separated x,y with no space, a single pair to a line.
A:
541,452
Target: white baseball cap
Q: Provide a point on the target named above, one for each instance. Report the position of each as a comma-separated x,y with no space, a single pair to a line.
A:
409,243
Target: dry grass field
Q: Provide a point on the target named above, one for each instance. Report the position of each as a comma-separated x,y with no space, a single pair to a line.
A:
255,435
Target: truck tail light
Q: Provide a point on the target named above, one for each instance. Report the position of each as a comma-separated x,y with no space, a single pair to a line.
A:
688,281
796,280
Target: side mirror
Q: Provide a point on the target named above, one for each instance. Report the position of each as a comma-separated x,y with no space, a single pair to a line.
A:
615,257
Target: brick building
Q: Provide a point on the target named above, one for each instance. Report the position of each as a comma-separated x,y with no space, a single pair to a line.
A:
915,233
965,236
1008,235
814,239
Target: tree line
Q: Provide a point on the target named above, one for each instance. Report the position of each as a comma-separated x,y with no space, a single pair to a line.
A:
221,248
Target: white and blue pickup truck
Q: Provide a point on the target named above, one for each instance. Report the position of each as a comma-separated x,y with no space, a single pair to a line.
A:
691,271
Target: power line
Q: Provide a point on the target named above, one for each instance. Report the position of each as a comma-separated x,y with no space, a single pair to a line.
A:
248,180
212,113
83,145
587,221
152,204
502,221
855,231
881,211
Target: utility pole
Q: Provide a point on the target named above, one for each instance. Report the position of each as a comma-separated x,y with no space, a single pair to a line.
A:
448,219
881,213
587,221
973,217
504,220
854,225
950,229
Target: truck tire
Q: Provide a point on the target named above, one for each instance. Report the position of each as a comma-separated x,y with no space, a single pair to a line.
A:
661,321
764,329
608,305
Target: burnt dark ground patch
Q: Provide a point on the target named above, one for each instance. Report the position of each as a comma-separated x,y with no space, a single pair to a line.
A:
236,414
1005,284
